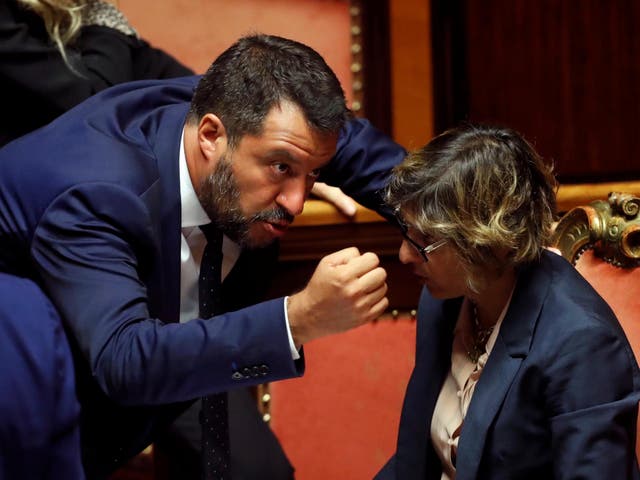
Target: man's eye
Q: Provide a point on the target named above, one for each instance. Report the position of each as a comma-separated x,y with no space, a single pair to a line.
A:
281,167
314,173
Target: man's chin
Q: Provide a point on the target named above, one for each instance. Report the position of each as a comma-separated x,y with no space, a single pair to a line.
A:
257,237
253,243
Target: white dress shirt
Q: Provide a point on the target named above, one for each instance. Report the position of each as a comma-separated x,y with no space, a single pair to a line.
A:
457,390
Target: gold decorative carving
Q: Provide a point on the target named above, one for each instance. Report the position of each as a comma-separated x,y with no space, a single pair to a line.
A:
611,228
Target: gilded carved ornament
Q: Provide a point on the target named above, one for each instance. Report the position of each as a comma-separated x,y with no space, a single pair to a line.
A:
611,228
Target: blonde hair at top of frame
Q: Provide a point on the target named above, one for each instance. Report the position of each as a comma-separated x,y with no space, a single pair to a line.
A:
483,189
62,19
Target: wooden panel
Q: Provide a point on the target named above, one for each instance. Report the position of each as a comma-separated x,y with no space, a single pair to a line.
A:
376,44
579,194
564,73
412,86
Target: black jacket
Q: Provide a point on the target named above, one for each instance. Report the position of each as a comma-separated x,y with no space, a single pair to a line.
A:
36,85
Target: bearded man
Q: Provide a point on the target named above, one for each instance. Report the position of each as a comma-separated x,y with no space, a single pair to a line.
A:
105,214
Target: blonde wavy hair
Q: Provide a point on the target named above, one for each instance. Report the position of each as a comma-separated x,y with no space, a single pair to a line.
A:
62,19
483,189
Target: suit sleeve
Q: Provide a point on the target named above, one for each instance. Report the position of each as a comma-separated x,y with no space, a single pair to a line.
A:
93,248
593,410
362,164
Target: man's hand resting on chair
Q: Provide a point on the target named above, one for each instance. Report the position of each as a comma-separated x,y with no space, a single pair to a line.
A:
336,197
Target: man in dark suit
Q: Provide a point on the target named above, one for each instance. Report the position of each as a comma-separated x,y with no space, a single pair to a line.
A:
102,207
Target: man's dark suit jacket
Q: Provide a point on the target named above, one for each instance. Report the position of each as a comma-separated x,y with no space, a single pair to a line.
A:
90,209
39,411
557,398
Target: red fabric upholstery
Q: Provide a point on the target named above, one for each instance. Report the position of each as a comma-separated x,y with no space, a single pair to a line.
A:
621,290
341,419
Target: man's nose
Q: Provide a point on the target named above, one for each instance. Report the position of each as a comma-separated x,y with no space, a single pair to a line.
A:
293,195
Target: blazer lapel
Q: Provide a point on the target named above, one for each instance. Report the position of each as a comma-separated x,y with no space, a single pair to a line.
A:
164,203
415,457
511,347
485,403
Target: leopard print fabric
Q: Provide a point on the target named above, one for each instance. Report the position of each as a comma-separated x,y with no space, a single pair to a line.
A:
99,12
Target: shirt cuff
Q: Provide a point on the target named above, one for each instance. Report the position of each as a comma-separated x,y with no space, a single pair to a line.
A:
294,351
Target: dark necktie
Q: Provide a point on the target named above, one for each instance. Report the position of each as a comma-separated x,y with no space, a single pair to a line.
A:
214,415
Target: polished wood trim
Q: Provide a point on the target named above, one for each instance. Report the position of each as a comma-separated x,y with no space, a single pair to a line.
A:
411,72
376,56
320,213
574,195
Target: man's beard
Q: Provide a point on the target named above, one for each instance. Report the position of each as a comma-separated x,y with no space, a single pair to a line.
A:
220,198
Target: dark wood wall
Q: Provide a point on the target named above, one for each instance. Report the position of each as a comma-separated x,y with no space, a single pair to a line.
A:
565,73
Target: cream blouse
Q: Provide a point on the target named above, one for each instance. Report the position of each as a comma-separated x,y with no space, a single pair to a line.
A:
457,390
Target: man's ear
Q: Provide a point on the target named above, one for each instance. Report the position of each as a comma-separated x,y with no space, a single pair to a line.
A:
212,137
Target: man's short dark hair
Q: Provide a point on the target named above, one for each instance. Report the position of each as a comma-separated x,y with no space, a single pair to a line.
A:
259,72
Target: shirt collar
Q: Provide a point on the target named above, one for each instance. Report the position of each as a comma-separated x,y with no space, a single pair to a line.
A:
192,212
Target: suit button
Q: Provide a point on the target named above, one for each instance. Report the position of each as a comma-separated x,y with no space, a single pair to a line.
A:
246,372
264,370
237,376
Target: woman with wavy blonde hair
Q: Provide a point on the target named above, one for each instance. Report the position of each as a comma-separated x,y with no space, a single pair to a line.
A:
56,53
62,19
522,370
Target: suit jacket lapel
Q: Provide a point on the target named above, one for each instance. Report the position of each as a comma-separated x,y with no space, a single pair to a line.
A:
415,456
511,347
164,202
487,398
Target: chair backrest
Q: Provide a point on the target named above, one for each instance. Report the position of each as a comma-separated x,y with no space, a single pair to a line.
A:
341,419
602,240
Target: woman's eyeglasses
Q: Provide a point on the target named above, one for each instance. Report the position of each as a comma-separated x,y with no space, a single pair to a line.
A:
422,250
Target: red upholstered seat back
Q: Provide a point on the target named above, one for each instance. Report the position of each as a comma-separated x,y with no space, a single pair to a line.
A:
621,290
341,419
620,287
